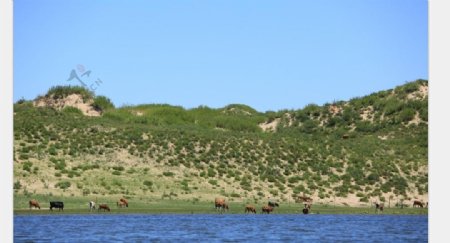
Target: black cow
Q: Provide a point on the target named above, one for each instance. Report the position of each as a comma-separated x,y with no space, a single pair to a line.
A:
59,205
273,204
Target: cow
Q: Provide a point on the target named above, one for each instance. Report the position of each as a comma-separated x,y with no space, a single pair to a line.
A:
219,204
273,204
124,201
105,207
307,208
34,203
57,204
250,209
121,204
418,204
266,209
91,206
379,206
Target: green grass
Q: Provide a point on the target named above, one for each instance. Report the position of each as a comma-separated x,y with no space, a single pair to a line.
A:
79,205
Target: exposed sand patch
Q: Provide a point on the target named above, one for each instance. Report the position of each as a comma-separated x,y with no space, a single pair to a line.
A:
334,109
416,120
270,126
420,94
73,100
367,114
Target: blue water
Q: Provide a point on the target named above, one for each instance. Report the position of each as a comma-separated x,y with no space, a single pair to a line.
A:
220,228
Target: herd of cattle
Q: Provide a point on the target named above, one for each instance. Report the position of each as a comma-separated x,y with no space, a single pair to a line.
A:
219,204
92,205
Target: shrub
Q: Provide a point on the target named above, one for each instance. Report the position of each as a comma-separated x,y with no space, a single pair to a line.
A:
72,110
213,182
168,173
406,115
116,172
27,166
17,185
63,184
59,92
118,168
102,103
148,183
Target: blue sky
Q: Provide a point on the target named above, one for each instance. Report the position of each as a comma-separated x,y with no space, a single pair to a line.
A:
270,55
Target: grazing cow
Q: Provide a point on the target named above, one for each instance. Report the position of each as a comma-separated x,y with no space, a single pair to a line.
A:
124,201
34,203
57,204
305,211
273,204
219,204
266,209
105,207
91,205
121,204
250,209
379,206
307,208
417,203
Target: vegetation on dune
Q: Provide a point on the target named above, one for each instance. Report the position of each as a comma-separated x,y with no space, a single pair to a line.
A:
373,147
59,92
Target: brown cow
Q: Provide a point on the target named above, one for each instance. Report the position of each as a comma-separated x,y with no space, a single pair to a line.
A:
379,206
124,201
34,203
266,209
219,203
250,209
121,204
105,207
417,203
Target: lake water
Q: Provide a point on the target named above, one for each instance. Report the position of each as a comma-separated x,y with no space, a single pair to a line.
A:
220,228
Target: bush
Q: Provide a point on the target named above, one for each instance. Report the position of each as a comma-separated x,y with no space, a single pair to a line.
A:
213,182
63,184
168,173
72,110
406,115
17,185
148,183
59,92
102,103
27,166
116,172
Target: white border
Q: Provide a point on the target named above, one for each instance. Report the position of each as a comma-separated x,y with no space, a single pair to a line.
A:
438,122
438,170
6,127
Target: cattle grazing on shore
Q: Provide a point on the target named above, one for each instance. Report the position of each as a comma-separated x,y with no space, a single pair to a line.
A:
418,203
273,204
57,204
121,204
266,209
105,207
379,206
124,201
220,204
34,203
307,208
91,205
250,209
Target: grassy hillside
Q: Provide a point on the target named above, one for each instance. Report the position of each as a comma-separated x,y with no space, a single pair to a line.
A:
371,148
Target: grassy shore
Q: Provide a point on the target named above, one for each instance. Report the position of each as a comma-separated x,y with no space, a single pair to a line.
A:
79,205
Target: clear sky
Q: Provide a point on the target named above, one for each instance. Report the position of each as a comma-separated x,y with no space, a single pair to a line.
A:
270,55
